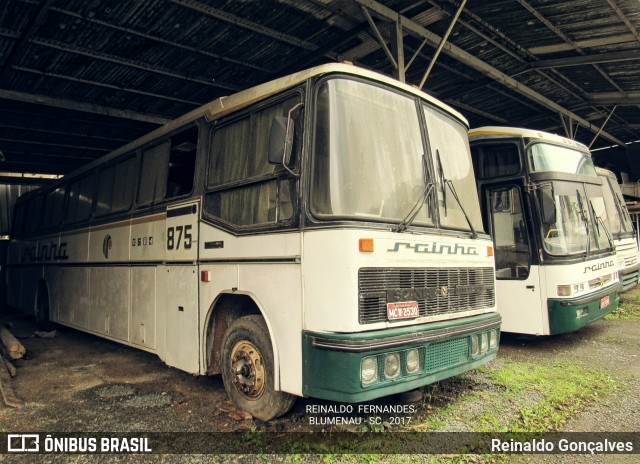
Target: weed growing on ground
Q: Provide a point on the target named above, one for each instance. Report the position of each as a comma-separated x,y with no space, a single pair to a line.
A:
629,306
628,309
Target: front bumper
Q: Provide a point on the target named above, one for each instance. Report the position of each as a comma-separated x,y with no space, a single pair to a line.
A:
573,314
331,366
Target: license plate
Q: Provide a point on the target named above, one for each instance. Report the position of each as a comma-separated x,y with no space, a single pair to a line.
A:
402,310
604,302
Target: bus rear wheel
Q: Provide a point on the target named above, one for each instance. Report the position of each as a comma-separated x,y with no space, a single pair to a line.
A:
248,369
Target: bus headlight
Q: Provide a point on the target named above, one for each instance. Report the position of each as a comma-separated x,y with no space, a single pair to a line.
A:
484,342
368,370
493,339
391,365
564,290
413,361
475,347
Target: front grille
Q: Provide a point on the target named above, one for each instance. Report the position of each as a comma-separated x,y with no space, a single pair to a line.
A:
437,290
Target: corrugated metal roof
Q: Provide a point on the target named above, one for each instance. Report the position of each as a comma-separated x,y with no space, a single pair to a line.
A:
111,69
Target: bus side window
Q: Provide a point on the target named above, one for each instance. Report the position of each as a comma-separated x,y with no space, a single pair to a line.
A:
80,199
115,187
496,160
168,168
17,227
34,209
244,189
153,175
53,206
182,162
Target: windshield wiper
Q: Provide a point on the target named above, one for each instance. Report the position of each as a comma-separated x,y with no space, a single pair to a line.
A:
406,222
600,221
449,182
424,196
623,212
586,222
443,181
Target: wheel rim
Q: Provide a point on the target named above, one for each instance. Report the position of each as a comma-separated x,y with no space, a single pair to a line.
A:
247,369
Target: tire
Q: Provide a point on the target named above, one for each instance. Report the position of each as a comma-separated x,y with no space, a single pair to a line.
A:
248,369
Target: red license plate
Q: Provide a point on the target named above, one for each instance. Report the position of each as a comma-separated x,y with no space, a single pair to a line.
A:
604,302
402,310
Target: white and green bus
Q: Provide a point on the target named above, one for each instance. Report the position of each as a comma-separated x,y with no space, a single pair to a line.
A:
316,236
621,228
556,268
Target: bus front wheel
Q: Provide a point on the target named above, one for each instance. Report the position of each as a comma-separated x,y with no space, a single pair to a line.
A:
248,369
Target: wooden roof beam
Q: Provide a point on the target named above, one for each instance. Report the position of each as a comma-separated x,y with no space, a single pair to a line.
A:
82,107
250,25
590,43
23,41
154,38
479,65
133,64
624,19
107,86
632,55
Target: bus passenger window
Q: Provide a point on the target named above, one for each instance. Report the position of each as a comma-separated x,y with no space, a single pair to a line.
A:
80,199
34,207
115,187
153,175
52,210
245,190
182,161
495,160
168,168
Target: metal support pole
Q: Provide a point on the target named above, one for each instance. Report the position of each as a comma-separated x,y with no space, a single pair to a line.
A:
564,125
397,42
379,36
603,124
442,42
415,55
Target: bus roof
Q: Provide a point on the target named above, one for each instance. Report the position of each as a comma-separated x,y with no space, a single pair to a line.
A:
606,173
225,105
494,132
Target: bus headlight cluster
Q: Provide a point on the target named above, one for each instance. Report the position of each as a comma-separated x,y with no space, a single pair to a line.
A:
568,290
483,342
413,361
391,365
369,370
493,339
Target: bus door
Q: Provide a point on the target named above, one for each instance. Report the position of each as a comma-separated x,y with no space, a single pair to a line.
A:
180,287
518,291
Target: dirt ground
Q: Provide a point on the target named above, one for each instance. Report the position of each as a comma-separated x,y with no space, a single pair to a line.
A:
78,382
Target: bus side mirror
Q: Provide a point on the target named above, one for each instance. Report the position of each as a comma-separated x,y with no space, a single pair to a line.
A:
281,140
548,206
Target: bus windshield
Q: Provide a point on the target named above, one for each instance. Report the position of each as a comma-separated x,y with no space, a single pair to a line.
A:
618,215
544,157
572,218
370,162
